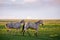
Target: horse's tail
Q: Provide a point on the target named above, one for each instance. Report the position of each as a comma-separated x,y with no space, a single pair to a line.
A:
6,26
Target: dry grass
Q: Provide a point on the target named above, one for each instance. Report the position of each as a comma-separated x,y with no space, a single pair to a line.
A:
46,22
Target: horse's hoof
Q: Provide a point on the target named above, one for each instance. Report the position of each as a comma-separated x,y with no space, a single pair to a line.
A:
7,30
35,34
23,35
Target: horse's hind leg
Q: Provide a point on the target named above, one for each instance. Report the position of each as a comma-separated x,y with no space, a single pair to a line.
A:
8,29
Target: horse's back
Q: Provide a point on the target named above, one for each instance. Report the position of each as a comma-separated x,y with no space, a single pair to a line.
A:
17,25
31,25
9,25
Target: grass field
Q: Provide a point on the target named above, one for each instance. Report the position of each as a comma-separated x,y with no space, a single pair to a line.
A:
46,32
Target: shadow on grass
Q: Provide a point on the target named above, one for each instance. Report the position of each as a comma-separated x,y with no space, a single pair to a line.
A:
27,37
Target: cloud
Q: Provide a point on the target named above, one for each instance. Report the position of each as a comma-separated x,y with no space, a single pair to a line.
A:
13,0
30,1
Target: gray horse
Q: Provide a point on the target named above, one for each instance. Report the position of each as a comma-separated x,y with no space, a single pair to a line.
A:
33,26
16,25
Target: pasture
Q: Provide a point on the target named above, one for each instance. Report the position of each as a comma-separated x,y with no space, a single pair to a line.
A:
50,31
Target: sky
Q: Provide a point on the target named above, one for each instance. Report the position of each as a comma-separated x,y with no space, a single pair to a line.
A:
29,9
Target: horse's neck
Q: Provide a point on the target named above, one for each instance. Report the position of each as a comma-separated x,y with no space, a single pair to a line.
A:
37,23
17,23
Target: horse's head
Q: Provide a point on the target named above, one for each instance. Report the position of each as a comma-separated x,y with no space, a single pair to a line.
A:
22,21
40,22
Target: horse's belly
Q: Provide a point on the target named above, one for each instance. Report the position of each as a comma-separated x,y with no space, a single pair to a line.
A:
32,28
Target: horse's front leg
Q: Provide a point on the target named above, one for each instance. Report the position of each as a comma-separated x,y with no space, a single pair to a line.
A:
28,32
23,32
36,33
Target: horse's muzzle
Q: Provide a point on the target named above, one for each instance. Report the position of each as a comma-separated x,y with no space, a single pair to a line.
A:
42,24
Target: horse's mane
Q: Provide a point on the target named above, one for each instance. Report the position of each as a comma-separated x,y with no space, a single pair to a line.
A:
38,21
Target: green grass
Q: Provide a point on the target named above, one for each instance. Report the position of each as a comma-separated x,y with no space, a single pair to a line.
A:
47,32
